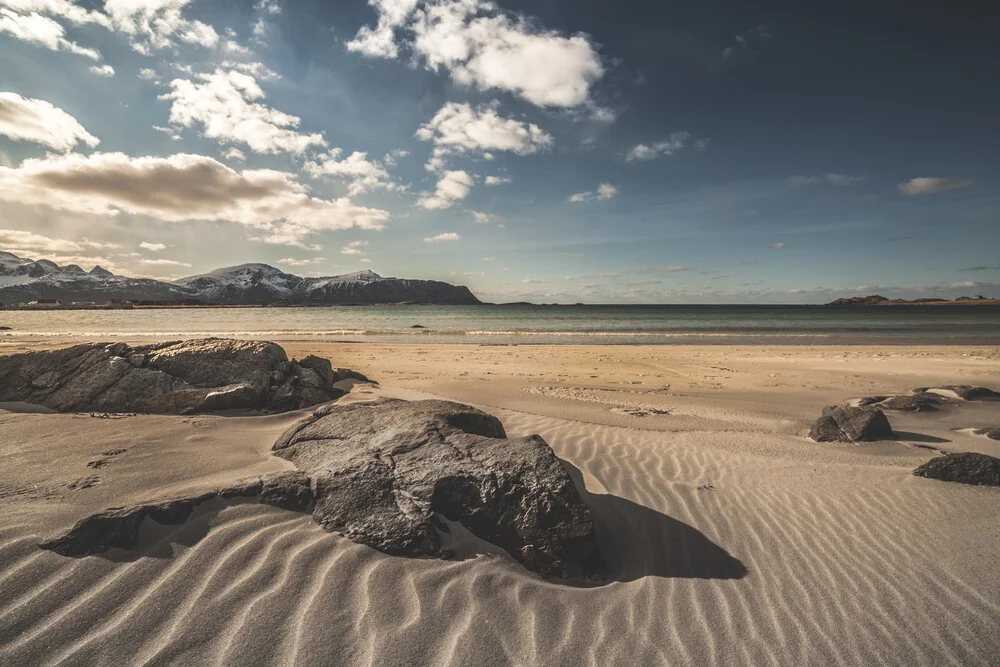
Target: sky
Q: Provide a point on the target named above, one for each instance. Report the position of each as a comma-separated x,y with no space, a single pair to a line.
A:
677,151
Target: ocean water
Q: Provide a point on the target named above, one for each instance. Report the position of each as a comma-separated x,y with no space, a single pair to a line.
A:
899,325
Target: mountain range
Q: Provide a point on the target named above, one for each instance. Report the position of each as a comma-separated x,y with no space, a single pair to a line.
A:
26,280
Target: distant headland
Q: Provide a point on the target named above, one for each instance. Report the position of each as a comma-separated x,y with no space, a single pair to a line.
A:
879,300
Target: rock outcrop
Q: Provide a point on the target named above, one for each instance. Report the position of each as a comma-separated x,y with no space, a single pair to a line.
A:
919,402
841,423
118,527
382,473
964,468
382,470
170,378
993,433
967,392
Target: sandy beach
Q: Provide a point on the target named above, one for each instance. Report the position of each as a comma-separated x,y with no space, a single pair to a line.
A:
735,539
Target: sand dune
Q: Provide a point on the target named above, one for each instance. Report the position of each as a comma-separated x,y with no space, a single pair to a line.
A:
736,540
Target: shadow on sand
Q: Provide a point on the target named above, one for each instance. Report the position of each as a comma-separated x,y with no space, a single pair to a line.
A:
640,542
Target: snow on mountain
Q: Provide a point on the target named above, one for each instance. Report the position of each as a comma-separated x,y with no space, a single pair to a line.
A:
23,280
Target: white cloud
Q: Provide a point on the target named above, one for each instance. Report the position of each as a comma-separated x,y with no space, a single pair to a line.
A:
353,248
28,119
223,104
41,30
152,247
163,262
182,187
447,236
676,142
362,174
102,70
148,74
158,24
392,157
481,47
488,259
258,70
496,180
481,218
780,246
234,154
604,191
451,187
459,129
293,261
169,131
930,186
18,241
269,6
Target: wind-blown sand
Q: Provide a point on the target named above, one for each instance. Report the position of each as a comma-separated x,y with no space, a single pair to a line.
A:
738,540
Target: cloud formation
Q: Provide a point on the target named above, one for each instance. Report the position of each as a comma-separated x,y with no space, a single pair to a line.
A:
676,142
604,191
179,188
152,247
27,119
451,187
440,238
461,129
362,174
41,30
931,186
482,47
224,104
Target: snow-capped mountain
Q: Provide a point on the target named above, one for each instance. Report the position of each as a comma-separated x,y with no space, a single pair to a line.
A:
261,283
25,280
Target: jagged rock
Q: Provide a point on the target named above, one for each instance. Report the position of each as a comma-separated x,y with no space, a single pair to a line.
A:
968,392
920,402
991,433
381,471
168,378
841,423
118,527
964,468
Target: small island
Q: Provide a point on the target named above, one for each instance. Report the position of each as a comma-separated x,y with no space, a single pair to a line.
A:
878,300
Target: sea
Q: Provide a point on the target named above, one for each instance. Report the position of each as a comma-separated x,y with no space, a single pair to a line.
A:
528,324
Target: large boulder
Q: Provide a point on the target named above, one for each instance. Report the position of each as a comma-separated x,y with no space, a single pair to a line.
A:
168,378
963,467
842,423
382,470
993,432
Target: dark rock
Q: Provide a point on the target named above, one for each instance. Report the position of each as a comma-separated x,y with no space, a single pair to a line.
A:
970,393
964,468
418,326
168,378
849,424
287,490
5,329
118,527
869,400
991,433
923,402
381,471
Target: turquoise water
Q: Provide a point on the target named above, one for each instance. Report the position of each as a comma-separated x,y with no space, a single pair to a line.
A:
979,325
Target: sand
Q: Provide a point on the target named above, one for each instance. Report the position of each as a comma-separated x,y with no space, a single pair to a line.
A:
737,539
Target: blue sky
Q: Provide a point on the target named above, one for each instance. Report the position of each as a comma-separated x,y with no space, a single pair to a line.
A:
665,152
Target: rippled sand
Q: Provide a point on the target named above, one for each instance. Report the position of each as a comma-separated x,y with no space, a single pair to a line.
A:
736,539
